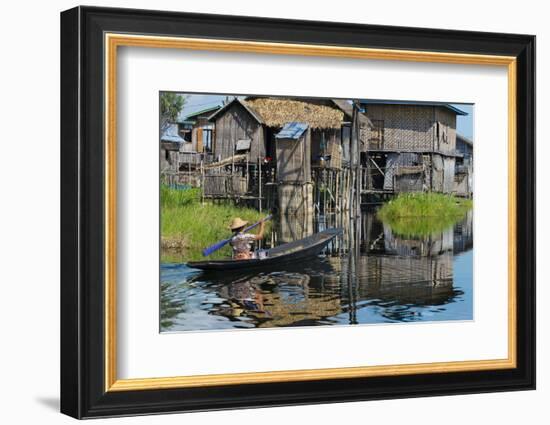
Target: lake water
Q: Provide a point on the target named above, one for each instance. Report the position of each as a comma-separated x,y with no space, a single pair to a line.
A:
369,275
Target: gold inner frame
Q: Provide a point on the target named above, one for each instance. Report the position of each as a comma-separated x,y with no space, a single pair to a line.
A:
113,41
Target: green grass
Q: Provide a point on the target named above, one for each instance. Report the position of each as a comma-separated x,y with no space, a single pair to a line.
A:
178,197
195,226
422,214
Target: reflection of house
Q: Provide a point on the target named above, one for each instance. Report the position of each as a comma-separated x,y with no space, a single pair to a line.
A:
463,234
396,259
411,145
464,167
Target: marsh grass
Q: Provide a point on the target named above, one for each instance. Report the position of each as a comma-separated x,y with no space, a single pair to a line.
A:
422,214
170,197
184,218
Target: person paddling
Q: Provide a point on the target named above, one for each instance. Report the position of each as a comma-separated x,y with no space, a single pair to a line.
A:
242,242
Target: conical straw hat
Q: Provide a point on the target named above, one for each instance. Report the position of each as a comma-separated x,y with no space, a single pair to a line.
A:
237,223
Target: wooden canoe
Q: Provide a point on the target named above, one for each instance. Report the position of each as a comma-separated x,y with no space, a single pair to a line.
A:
277,256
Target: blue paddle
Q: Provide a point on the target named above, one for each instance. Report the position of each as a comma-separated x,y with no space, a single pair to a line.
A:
213,248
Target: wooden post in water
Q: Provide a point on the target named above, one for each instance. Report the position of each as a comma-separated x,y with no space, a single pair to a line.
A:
355,164
358,159
353,153
260,183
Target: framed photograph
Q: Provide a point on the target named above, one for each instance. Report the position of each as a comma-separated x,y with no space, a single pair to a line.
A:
261,212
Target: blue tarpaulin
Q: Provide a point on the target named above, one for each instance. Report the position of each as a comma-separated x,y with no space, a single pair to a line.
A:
171,134
292,130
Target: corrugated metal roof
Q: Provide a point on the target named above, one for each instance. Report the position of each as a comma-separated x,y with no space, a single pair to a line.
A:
171,134
407,102
212,109
292,130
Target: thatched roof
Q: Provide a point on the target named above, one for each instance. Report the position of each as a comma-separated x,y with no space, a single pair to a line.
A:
276,112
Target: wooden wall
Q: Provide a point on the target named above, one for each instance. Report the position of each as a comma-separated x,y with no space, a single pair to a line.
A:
446,120
168,156
443,170
236,124
294,159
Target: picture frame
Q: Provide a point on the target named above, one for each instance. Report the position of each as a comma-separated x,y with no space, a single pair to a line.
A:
90,39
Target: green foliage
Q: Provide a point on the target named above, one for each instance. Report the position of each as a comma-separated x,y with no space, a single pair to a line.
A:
170,197
420,204
421,226
422,214
185,218
171,104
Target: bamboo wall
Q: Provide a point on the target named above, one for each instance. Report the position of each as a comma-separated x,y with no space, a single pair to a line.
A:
325,142
398,172
411,128
224,185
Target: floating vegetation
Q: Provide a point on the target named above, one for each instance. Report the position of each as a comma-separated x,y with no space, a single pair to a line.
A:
423,214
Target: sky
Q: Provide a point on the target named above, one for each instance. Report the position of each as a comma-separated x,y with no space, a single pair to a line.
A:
465,124
197,102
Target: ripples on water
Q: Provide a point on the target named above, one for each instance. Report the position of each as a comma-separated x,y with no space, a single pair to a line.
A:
388,279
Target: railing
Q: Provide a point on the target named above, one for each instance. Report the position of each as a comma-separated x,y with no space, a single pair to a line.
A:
194,158
412,146
241,182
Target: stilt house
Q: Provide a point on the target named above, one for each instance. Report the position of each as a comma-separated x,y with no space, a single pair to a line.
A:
259,119
410,146
464,167
170,144
245,139
198,134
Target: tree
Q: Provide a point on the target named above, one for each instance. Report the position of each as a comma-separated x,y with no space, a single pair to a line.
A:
171,104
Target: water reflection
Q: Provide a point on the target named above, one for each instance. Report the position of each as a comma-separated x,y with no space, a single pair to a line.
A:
370,275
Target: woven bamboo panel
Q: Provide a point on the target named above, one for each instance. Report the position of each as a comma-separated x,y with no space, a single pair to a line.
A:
409,182
335,152
215,185
238,185
405,127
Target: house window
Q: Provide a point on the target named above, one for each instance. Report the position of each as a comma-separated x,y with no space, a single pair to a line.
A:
376,139
207,139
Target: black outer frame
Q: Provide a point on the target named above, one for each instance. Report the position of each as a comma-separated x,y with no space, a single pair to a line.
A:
82,212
